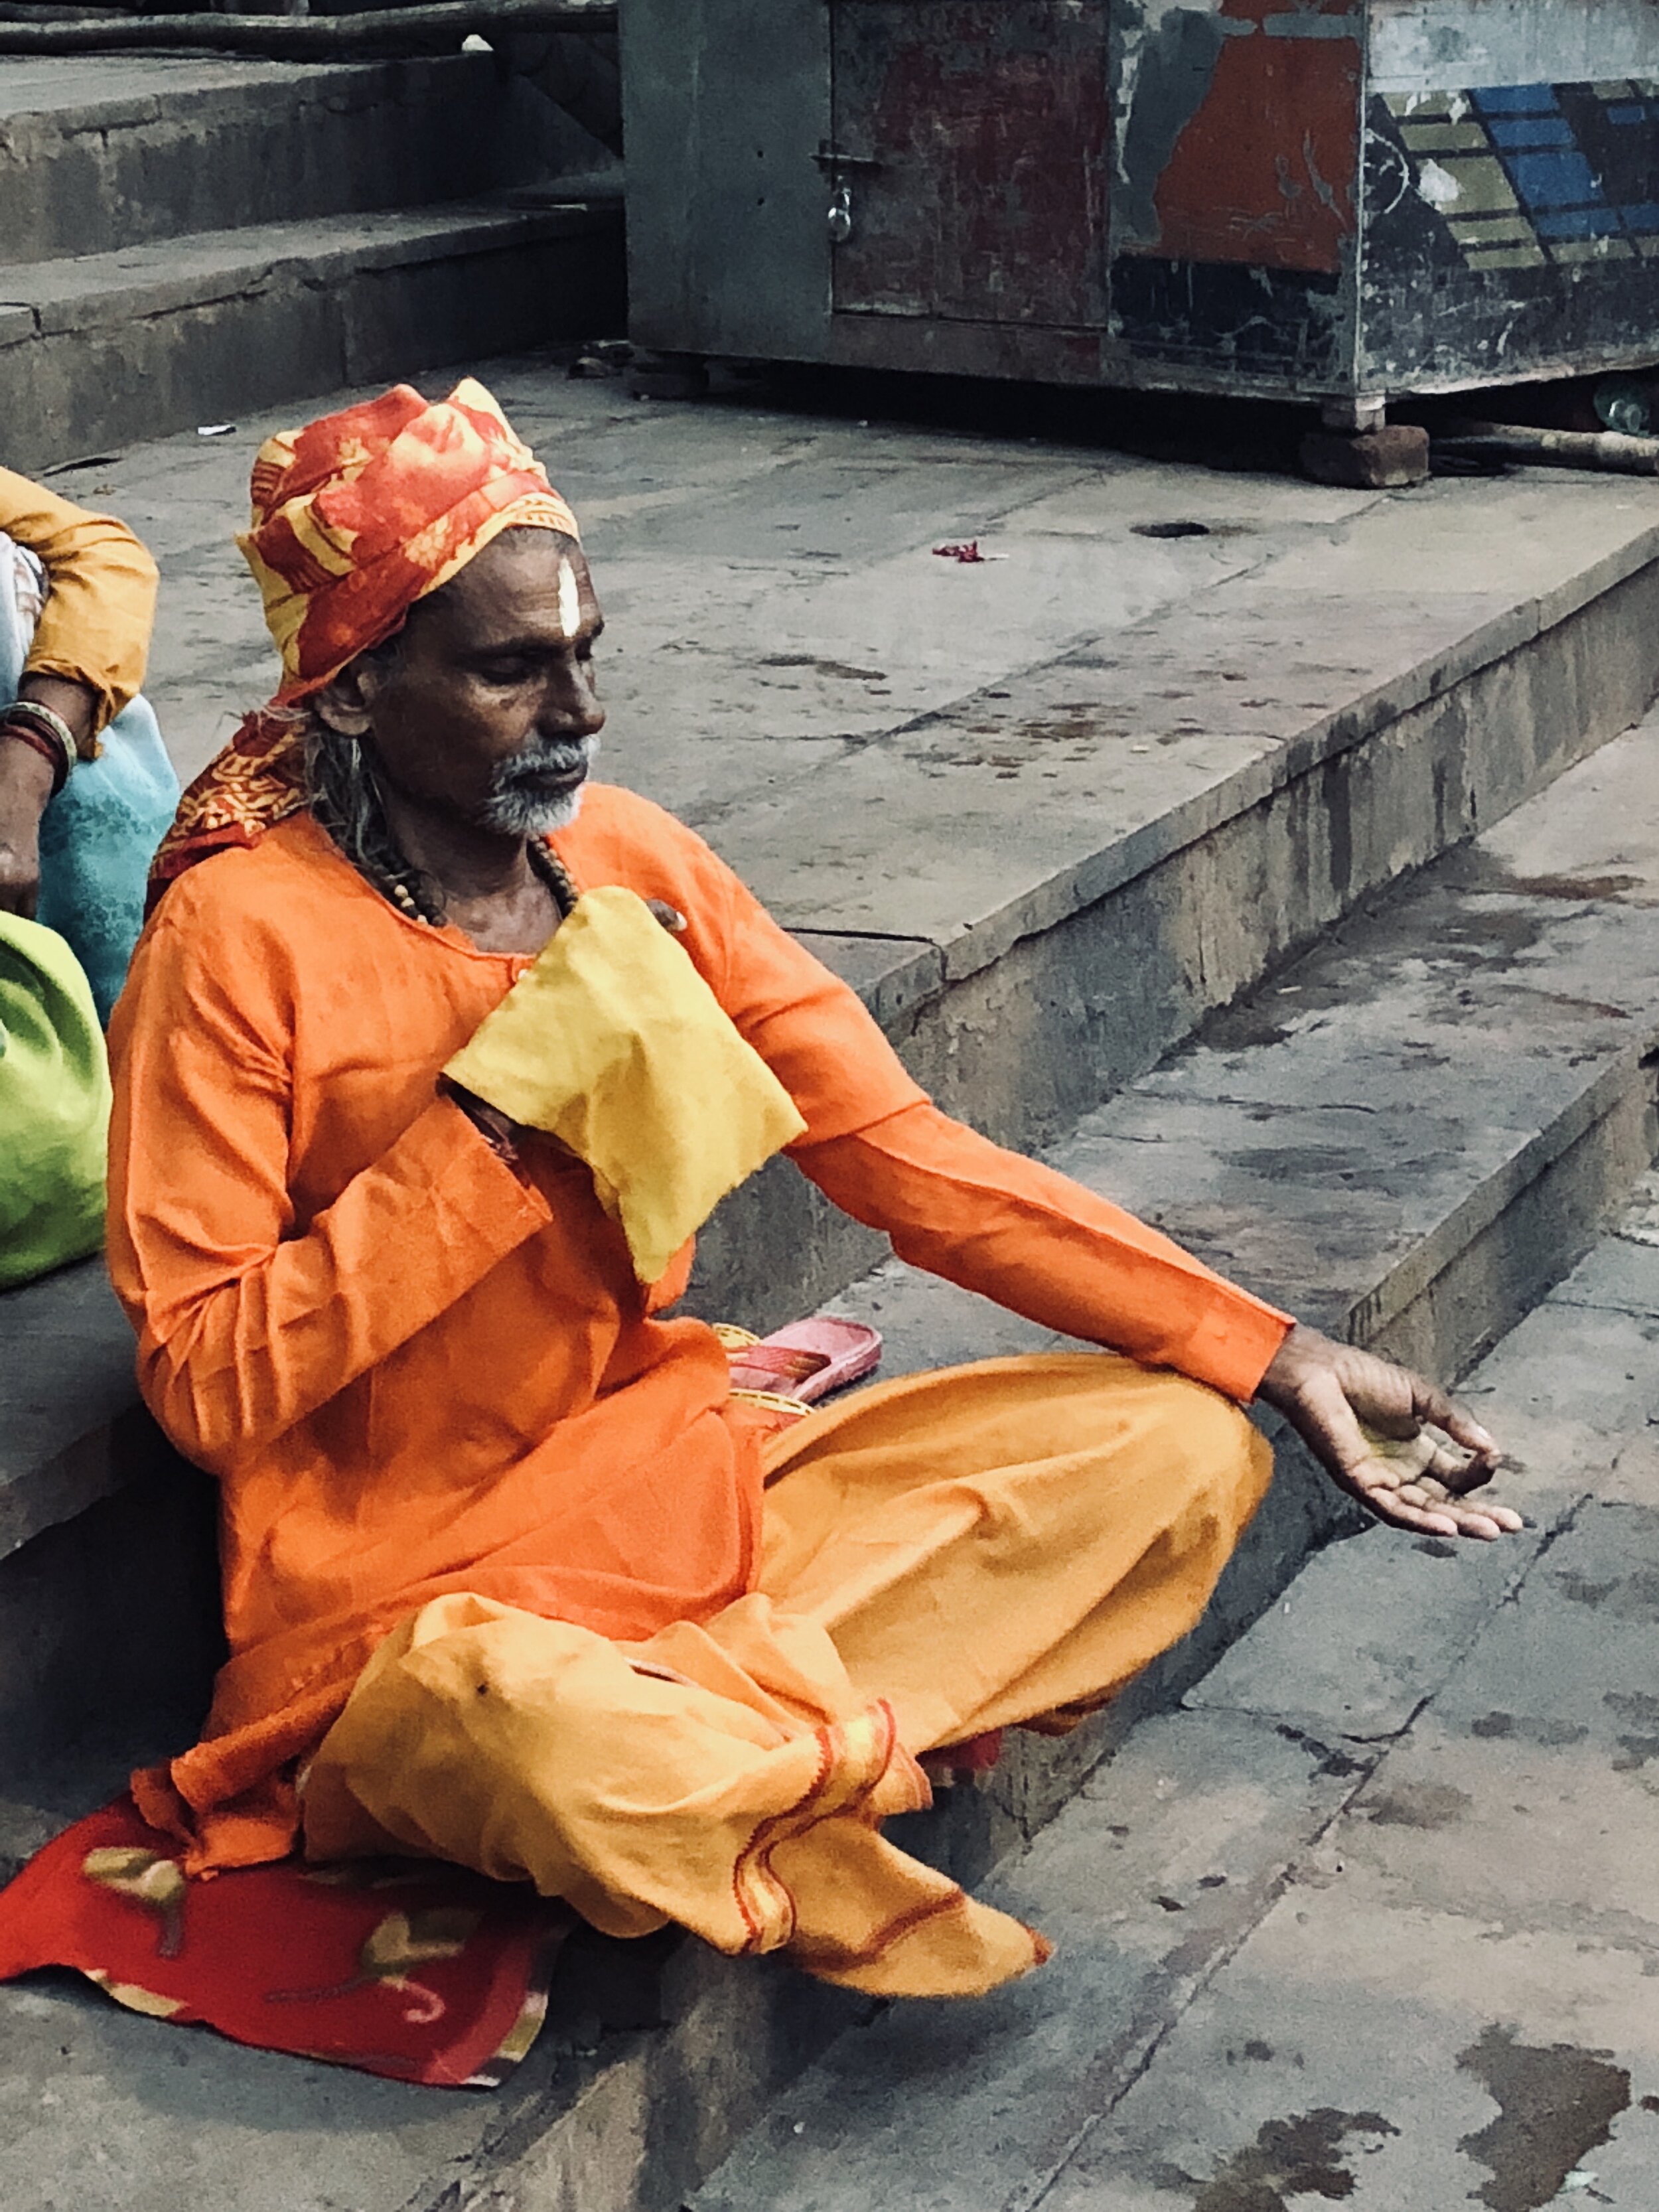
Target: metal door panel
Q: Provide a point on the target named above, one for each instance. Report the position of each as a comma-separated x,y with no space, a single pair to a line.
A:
725,103
971,141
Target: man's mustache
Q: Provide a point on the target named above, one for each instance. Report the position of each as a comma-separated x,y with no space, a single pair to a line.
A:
541,761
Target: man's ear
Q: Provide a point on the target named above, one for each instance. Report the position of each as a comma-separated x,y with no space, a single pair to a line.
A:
345,701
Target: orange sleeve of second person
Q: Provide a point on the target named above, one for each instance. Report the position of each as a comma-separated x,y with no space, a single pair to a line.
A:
1042,1245
95,626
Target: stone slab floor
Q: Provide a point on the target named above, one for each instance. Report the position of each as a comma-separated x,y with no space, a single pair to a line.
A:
789,668
1375,1920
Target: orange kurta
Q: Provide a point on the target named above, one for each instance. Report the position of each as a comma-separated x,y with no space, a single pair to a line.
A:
416,1370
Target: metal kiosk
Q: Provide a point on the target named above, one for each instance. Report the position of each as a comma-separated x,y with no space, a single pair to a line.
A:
1340,200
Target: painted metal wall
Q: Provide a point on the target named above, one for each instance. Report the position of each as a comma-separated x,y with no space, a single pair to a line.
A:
1272,195
1235,206
1512,190
1422,45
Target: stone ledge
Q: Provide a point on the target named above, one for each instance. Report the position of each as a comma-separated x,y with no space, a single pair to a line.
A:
107,154
67,1393
69,95
1250,1142
135,344
87,292
1108,961
1156,775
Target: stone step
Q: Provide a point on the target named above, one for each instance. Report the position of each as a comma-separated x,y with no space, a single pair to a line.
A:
101,348
1047,883
1266,724
1400,1829
101,154
1410,1134
1408,1138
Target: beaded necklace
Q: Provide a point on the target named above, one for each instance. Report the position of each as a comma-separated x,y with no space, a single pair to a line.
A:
543,861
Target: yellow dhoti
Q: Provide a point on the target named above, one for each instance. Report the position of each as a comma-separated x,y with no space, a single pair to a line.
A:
943,1555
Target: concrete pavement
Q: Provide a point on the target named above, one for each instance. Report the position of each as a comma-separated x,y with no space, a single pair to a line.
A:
1051,813
1374,1919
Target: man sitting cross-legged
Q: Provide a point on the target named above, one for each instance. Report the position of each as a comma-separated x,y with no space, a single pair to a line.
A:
418,1103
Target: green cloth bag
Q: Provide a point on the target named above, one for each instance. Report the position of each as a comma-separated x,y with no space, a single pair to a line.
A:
54,1105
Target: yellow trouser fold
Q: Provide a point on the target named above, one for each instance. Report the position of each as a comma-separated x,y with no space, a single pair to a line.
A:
945,1554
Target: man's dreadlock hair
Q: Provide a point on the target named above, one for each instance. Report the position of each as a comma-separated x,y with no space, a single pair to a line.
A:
346,798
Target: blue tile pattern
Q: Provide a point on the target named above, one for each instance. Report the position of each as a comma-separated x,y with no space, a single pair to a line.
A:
1539,171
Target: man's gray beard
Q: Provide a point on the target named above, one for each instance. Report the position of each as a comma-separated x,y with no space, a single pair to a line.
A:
514,808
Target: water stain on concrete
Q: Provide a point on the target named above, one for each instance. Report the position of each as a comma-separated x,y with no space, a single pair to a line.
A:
1556,2104
1581,1590
1551,1734
1574,887
1260,1030
1319,1165
1639,1747
1294,2157
1337,1762
1596,1009
1475,937
825,668
1625,1597
1418,1805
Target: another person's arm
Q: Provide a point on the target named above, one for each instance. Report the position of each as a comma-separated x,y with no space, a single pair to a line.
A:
247,1320
87,660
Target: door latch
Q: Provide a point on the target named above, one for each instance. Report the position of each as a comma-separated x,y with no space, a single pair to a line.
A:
838,167
832,160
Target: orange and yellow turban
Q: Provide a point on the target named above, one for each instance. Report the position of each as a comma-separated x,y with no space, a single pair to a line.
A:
355,518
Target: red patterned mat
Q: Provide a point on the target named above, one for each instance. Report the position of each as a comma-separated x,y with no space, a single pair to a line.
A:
422,1972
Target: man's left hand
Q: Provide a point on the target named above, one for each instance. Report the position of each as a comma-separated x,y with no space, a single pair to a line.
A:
1333,1394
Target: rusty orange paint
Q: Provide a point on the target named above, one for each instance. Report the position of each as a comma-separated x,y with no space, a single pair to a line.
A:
1266,172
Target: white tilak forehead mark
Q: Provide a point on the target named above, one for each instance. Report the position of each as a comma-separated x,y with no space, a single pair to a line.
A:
570,599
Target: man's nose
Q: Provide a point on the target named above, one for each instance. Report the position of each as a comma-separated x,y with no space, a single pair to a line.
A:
570,705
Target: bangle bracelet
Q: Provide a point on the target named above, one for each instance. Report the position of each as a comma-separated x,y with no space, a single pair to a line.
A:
46,719
48,751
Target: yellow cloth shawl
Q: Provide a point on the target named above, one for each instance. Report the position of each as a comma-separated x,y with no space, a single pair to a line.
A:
613,1043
